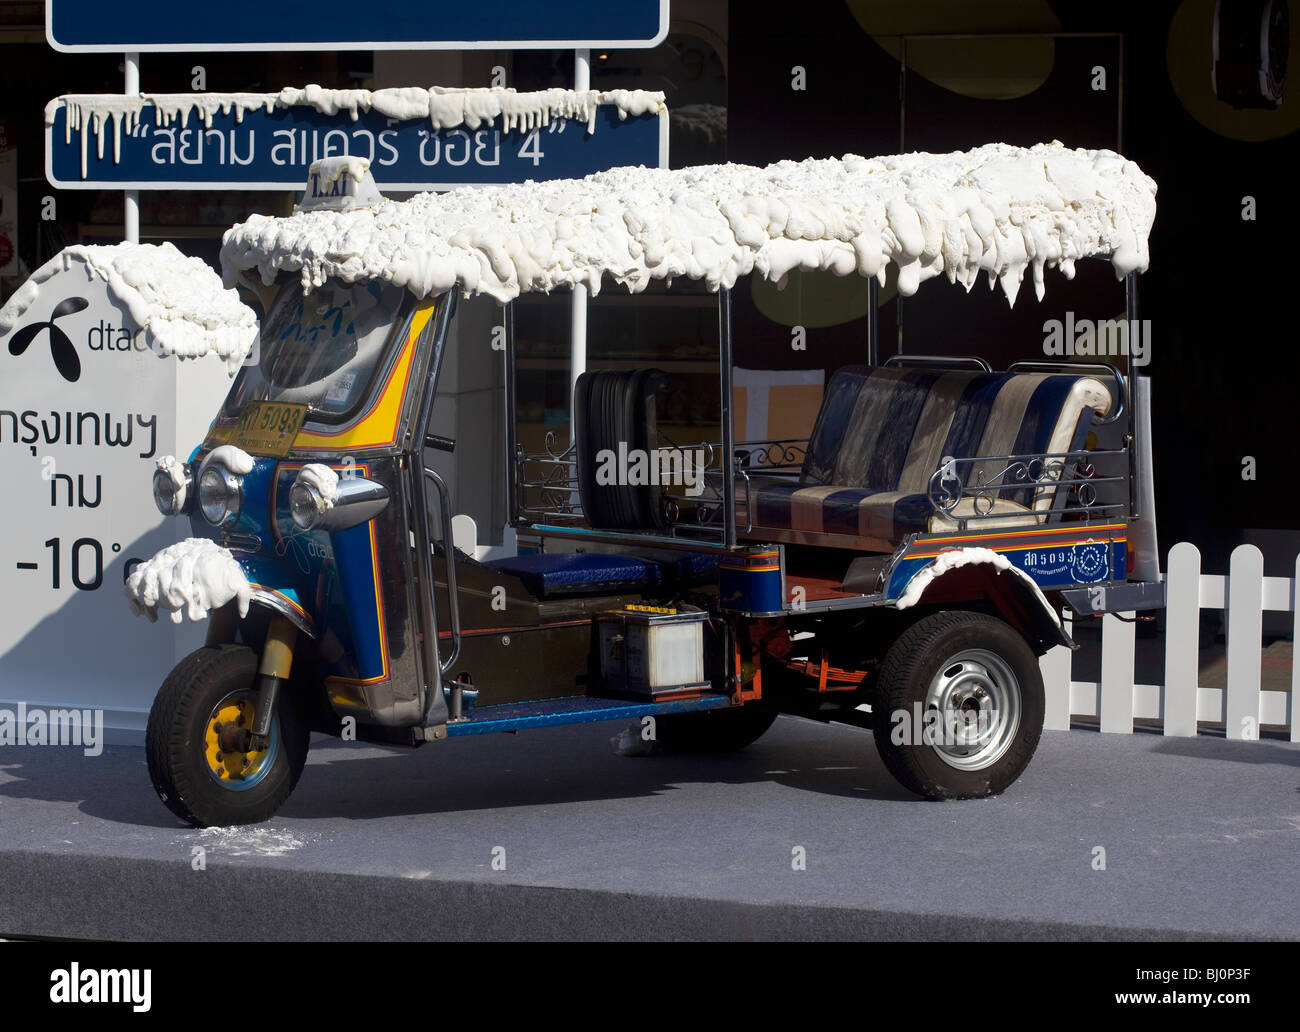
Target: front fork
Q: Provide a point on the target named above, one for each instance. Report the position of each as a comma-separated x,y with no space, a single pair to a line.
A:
272,671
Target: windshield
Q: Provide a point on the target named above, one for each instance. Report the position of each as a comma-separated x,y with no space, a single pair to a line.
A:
321,350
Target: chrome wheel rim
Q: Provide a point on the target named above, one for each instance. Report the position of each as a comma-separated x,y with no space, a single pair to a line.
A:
977,698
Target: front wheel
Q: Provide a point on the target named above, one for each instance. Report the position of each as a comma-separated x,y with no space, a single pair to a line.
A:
200,760
959,704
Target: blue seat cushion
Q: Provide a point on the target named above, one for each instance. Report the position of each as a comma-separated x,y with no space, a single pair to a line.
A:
565,574
561,574
862,513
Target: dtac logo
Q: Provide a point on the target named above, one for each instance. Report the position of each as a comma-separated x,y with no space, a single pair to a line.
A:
61,348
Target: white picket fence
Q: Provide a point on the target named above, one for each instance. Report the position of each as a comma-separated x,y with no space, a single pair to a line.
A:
1181,702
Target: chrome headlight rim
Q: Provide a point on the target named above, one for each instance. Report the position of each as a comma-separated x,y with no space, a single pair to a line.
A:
166,492
231,497
305,505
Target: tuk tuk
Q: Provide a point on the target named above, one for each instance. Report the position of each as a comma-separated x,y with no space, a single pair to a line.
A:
901,569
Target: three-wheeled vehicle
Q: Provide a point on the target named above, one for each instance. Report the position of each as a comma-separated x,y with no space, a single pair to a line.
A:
902,569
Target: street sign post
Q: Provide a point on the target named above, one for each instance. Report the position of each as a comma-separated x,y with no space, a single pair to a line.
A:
150,26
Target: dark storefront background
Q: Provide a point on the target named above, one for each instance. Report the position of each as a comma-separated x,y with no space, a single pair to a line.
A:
1223,362
1223,359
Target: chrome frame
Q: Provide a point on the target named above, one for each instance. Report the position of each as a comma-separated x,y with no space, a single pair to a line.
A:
449,561
422,586
728,460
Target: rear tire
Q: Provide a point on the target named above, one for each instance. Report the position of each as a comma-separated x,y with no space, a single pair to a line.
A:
195,780
959,706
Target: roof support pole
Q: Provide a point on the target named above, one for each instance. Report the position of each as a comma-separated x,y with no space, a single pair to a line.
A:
728,436
873,321
1135,444
131,199
578,300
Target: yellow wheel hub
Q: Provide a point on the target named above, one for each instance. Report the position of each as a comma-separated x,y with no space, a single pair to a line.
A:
230,722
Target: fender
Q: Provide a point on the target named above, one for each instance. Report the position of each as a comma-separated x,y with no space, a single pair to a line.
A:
271,591
1020,601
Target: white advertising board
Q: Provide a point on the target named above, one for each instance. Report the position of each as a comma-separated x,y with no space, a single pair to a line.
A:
86,407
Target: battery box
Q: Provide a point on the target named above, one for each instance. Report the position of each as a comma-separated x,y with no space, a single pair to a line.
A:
652,652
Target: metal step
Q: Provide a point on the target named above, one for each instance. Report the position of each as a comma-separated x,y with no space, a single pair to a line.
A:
574,709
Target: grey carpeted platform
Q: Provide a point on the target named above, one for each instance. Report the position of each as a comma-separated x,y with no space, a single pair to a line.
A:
1201,839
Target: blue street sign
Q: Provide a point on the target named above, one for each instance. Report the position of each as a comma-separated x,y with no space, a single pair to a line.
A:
163,25
273,151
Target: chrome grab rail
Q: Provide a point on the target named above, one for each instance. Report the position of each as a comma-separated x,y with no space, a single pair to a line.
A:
1121,403
449,556
939,360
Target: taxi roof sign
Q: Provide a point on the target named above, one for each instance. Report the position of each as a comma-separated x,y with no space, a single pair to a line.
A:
339,184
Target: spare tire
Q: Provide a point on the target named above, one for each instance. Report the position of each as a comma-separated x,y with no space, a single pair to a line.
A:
613,409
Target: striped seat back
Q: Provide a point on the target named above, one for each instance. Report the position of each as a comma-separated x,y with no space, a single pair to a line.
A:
888,429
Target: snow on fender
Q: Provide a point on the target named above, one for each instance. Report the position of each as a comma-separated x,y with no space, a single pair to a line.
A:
958,557
189,578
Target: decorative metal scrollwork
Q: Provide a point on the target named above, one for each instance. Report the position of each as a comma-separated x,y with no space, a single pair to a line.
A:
985,477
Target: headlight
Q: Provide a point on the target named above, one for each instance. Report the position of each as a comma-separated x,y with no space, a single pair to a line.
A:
220,496
166,495
321,500
305,505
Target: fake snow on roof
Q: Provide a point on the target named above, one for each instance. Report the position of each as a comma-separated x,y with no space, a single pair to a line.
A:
444,107
179,301
997,210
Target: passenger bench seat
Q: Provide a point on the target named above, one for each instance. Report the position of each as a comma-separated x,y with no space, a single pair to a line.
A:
883,431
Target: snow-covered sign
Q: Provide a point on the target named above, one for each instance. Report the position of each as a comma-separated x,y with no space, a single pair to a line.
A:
414,138
161,25
88,403
995,212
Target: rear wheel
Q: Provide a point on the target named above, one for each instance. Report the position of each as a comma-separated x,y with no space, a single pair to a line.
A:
958,709
202,763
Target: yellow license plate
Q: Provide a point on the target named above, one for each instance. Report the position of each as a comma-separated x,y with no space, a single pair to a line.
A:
268,427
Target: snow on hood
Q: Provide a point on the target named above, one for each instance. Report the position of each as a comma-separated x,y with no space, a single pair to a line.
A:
234,459
178,300
998,210
444,107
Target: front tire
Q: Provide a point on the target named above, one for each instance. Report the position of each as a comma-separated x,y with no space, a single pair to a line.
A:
198,775
959,706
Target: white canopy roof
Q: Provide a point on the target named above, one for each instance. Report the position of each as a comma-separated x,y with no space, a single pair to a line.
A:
998,210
